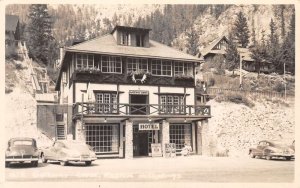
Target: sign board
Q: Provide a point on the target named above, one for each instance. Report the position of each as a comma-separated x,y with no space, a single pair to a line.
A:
138,92
156,150
170,150
148,126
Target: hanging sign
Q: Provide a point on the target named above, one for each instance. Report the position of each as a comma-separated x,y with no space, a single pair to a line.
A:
148,126
138,92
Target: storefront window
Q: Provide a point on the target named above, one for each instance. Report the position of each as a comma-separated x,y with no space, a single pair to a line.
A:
180,134
104,138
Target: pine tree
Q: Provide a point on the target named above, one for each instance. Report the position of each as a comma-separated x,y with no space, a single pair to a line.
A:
241,30
232,55
274,47
40,40
192,42
259,52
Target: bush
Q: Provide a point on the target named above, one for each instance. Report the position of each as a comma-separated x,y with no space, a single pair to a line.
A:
19,66
279,87
211,82
235,98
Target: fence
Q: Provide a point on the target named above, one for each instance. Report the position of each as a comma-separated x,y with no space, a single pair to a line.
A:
215,91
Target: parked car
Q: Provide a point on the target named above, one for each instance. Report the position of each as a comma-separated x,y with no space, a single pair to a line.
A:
22,150
271,149
66,151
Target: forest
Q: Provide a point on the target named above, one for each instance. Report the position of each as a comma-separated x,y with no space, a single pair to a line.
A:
48,27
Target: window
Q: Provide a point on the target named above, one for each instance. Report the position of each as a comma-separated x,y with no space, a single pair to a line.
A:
111,64
84,61
172,104
161,67
137,64
182,68
106,103
104,138
180,134
140,40
125,39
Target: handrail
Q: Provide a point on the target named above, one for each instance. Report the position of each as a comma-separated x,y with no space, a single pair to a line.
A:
139,109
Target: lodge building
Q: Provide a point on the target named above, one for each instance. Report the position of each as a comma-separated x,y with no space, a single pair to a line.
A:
128,92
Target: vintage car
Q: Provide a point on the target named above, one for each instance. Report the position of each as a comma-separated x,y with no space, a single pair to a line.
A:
66,151
22,150
271,149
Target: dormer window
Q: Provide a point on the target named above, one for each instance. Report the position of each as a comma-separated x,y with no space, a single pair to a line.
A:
139,40
125,39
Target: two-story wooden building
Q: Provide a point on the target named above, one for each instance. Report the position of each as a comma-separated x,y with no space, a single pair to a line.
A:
129,92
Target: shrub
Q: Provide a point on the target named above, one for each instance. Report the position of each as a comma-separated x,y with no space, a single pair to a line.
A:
211,82
19,66
279,87
235,98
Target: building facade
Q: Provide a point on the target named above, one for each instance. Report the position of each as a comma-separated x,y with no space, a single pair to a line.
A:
129,93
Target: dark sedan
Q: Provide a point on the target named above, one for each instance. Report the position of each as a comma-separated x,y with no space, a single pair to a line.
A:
22,150
271,149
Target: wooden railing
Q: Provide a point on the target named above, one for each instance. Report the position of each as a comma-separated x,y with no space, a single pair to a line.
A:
140,109
216,91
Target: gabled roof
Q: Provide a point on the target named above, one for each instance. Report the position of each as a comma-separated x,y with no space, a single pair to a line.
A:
245,53
108,45
11,22
209,48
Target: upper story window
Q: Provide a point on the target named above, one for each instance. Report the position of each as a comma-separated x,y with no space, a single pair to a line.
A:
111,64
125,39
84,61
140,40
172,103
161,67
137,64
182,68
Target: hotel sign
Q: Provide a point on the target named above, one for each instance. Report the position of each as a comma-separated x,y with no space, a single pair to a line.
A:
138,92
148,126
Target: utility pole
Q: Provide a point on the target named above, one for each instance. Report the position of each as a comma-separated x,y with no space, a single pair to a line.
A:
241,59
284,81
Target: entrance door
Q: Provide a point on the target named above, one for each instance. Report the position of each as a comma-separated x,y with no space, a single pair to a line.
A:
138,104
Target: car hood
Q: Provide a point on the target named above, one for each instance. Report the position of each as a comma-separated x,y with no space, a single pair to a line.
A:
23,150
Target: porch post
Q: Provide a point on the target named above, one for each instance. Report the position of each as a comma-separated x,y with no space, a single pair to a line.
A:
199,137
128,140
165,135
205,138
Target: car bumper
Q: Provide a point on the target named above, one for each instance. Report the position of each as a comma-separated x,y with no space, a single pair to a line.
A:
80,159
281,155
21,159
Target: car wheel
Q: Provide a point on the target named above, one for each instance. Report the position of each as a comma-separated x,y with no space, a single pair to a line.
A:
6,164
252,155
34,163
288,158
268,157
88,163
63,163
43,159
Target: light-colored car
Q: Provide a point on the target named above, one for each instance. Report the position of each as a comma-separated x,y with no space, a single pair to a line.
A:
66,151
22,150
271,149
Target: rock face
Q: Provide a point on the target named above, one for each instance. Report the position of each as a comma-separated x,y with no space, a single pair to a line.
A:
20,108
235,127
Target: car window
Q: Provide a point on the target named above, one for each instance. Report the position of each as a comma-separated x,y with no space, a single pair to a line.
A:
22,143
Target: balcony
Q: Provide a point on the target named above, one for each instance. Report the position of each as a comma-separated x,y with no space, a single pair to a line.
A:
92,109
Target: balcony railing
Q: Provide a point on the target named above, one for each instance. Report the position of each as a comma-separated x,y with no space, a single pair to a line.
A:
88,108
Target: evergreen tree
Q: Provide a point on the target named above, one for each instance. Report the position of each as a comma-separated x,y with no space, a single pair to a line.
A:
288,48
274,48
192,42
232,55
40,40
259,52
241,30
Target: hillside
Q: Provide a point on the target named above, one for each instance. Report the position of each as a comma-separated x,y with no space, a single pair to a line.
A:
20,105
236,127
